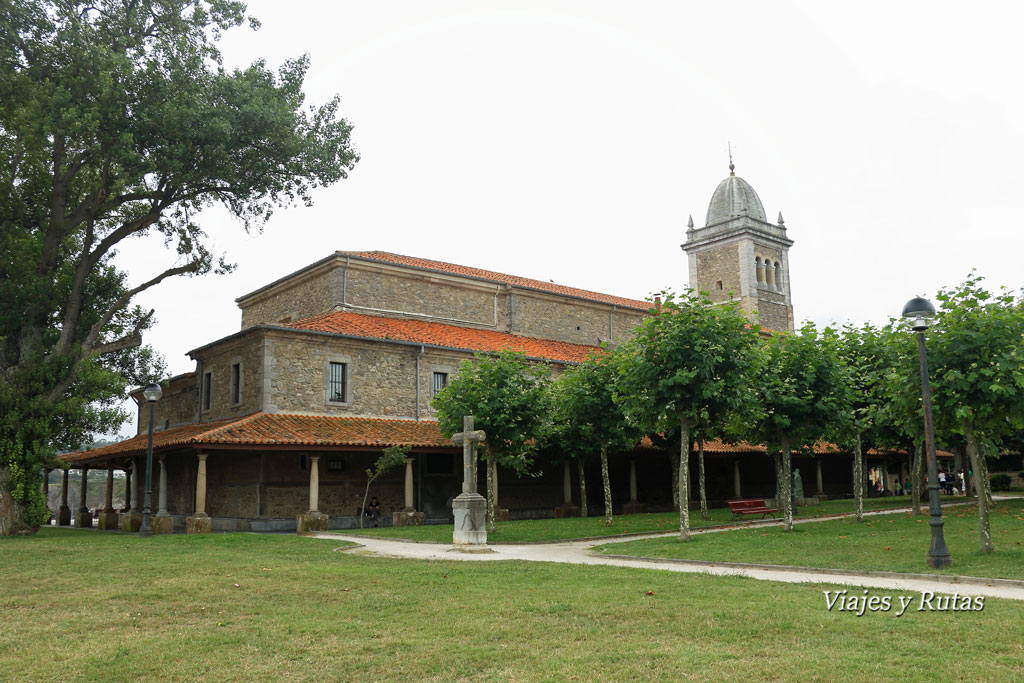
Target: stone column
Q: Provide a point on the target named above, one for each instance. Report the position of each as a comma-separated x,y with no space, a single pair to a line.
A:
313,520
199,522
109,519
821,488
736,478
633,507
82,517
567,509
131,520
127,489
409,507
408,516
64,512
162,523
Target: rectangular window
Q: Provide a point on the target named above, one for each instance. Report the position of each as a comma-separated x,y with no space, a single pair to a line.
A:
207,388
440,382
337,383
335,465
236,383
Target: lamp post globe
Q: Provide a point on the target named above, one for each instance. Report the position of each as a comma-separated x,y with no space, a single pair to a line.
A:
919,310
152,393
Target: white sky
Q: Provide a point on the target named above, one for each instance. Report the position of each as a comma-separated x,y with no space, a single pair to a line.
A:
570,141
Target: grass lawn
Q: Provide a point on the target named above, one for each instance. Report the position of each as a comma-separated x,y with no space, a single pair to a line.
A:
80,605
532,530
896,542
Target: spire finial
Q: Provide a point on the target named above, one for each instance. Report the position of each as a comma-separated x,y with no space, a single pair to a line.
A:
781,220
689,223
732,167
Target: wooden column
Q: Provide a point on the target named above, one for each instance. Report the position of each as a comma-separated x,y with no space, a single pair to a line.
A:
567,484
736,478
127,489
632,481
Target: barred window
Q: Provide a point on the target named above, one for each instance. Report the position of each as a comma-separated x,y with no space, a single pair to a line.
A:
440,382
337,389
207,388
236,383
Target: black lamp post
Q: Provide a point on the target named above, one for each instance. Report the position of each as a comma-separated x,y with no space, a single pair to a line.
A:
152,392
919,310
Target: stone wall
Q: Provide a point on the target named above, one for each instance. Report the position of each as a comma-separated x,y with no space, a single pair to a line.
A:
307,296
177,406
217,360
720,264
774,316
421,294
577,322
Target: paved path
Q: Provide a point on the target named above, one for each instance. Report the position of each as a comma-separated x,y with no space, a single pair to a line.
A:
579,552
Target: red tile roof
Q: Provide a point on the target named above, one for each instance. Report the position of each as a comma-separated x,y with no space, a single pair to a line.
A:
442,334
514,280
277,429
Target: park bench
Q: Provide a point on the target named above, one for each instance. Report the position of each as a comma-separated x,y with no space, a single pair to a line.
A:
750,506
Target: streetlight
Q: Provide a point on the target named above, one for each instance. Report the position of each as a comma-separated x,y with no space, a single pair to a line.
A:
152,392
919,310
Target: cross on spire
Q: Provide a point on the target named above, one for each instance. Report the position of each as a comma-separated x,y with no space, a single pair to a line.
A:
732,166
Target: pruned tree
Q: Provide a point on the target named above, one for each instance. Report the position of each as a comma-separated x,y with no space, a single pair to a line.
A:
507,395
804,392
392,457
976,357
118,122
685,366
586,398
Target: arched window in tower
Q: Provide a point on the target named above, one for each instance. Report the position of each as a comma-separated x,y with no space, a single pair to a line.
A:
778,276
770,272
759,266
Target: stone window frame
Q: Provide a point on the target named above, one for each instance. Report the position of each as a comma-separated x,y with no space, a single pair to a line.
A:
207,390
437,367
236,360
349,375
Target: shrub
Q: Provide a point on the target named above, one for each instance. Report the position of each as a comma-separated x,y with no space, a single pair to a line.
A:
1000,482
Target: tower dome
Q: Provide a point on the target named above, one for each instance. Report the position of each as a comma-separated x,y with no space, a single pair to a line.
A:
734,197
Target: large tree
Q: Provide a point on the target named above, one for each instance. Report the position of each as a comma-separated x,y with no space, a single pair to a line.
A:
586,400
507,395
117,121
683,369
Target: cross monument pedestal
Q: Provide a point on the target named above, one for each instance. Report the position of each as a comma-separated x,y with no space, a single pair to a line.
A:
469,507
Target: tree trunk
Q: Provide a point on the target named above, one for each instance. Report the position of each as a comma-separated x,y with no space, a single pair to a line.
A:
980,475
684,480
703,489
983,469
12,513
583,487
858,477
787,485
362,510
916,479
778,478
607,486
674,462
491,493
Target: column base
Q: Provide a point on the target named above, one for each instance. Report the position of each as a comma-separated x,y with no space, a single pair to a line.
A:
162,525
407,518
195,525
131,522
633,508
470,522
83,519
109,520
64,516
310,522
567,510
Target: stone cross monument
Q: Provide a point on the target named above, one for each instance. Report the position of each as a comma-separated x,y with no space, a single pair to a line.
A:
470,507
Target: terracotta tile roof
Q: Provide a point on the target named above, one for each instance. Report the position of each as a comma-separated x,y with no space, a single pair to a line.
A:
514,280
442,334
276,429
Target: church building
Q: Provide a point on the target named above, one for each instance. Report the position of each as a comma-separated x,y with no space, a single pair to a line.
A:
334,362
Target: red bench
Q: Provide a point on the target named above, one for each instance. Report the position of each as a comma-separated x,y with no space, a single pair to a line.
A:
750,506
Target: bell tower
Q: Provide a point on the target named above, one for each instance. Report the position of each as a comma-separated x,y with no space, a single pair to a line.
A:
739,256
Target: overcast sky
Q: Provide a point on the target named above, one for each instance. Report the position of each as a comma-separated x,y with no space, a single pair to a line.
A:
569,141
